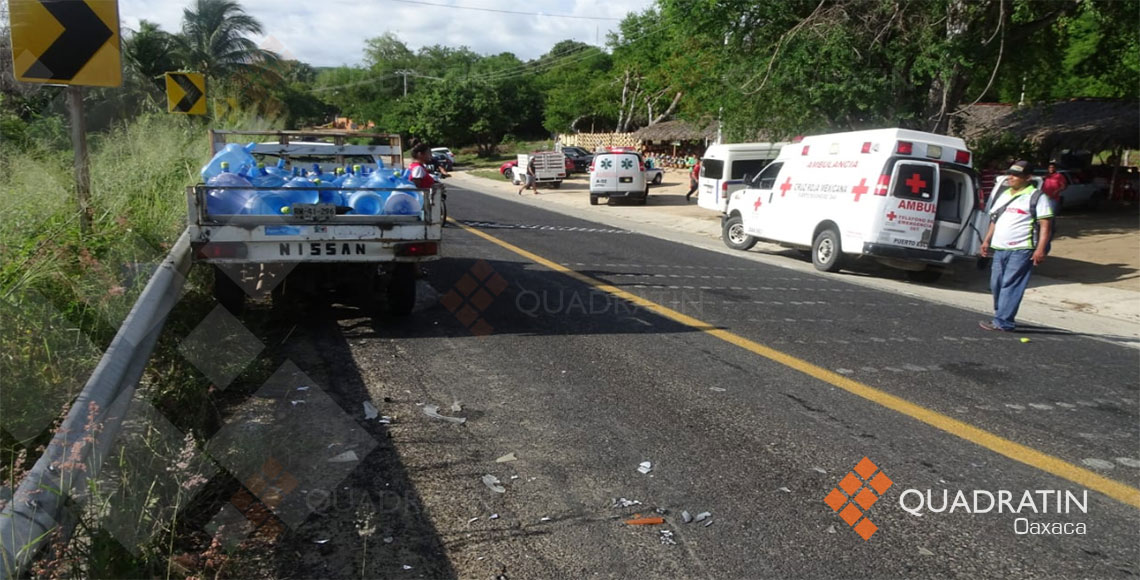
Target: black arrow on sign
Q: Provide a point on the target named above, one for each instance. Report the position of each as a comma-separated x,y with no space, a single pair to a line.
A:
83,35
192,93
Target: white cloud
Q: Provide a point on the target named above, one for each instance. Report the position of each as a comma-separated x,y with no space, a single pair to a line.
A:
332,32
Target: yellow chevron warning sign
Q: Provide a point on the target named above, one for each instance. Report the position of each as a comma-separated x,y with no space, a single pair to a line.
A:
186,93
66,42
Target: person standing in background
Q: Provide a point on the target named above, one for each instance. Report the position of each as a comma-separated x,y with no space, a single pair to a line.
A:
694,180
1055,183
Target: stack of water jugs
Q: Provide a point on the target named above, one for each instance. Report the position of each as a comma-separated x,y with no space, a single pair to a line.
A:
232,172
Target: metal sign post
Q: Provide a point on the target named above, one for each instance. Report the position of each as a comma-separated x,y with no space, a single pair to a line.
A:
79,144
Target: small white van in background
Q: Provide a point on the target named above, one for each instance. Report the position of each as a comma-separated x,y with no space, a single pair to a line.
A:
723,168
617,173
906,198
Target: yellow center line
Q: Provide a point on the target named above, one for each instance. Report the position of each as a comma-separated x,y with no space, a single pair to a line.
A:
1015,451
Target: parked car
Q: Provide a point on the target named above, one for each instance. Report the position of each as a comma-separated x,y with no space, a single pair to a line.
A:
506,169
444,151
580,157
442,160
653,174
1078,193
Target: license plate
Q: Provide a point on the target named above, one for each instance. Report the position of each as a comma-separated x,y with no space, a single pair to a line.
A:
625,180
314,211
325,249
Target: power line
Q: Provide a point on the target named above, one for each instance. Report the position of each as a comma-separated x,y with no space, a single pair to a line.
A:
506,11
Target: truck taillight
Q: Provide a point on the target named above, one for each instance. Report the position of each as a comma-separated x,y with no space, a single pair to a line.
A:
962,157
884,185
724,186
905,148
591,167
417,249
641,167
216,250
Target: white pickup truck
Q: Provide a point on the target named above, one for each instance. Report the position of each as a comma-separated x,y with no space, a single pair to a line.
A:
549,167
366,260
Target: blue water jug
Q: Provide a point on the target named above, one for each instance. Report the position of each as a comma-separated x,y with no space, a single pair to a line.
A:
262,178
268,203
227,201
236,155
327,192
296,195
367,202
402,203
279,170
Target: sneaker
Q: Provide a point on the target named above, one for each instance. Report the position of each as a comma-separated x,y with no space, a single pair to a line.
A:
520,192
986,325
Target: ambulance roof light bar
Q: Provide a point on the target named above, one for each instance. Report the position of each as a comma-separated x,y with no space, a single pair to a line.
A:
905,148
866,147
805,151
962,157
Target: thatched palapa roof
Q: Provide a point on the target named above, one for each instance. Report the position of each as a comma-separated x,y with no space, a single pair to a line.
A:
1095,125
676,131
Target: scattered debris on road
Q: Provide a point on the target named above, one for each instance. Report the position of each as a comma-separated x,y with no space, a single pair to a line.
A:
370,411
320,541
717,389
621,502
702,516
785,490
649,521
494,517
645,467
493,484
925,552
507,458
456,407
831,529
345,457
820,470
667,538
686,517
472,520
433,412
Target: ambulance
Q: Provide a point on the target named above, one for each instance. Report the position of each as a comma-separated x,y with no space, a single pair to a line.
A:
724,166
905,198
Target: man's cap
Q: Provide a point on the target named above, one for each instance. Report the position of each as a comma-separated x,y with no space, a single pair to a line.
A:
1020,168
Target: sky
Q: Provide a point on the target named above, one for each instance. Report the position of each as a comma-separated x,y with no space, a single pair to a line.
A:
332,32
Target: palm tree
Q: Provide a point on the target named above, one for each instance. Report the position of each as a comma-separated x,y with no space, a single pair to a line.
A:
149,52
214,41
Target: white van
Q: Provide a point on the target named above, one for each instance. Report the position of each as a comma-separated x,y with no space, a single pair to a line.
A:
906,198
618,173
723,168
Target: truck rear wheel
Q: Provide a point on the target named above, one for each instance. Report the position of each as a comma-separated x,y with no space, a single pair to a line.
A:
732,232
593,200
402,290
826,255
227,292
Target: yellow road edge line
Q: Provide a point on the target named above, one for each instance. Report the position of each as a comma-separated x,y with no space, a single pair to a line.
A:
1121,492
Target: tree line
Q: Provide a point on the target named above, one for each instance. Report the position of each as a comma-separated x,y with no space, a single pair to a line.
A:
763,69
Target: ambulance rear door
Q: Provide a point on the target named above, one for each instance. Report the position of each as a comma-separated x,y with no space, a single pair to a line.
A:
908,216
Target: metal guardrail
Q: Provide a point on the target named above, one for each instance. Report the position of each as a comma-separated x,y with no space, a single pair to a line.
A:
75,455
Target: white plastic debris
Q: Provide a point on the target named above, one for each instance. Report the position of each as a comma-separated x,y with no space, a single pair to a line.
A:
344,457
717,389
494,517
407,567
820,470
925,552
708,523
493,484
302,388
686,517
433,412
702,516
507,458
645,467
384,420
295,403
667,537
457,406
514,477
785,490
831,529
370,411
472,520
545,519
320,541
389,540
621,502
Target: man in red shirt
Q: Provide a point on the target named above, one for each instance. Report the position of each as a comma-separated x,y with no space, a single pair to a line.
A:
694,179
1055,183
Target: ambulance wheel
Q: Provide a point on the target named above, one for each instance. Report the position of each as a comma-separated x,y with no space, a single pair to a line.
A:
593,200
402,290
927,276
733,234
227,292
825,251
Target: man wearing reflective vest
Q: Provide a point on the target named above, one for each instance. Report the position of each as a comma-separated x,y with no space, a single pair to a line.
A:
1016,246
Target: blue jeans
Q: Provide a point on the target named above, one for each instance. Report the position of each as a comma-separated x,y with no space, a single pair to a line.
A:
1008,279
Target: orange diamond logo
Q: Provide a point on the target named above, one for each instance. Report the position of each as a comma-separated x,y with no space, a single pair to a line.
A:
852,486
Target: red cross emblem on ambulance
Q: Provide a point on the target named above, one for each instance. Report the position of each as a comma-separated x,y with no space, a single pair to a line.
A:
891,216
785,187
756,206
860,189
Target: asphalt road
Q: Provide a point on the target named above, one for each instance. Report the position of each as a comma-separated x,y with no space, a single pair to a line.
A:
582,386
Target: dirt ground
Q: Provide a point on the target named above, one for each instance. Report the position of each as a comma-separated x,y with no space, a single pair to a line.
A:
1092,247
